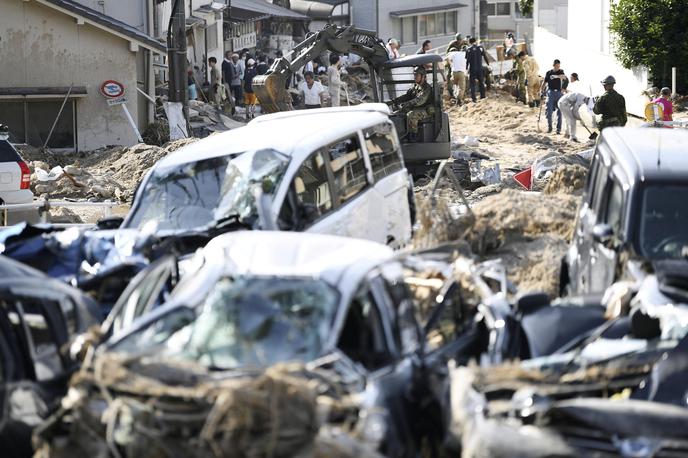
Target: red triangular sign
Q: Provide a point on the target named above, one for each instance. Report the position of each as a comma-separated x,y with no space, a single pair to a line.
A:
525,178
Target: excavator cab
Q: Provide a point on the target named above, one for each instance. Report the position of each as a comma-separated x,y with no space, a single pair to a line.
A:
389,79
433,142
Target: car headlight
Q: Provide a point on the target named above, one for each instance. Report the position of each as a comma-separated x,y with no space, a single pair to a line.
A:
637,447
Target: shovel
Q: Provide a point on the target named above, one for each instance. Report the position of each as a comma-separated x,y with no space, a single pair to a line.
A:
593,135
542,102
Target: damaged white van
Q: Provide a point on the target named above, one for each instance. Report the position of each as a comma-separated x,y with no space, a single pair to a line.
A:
333,171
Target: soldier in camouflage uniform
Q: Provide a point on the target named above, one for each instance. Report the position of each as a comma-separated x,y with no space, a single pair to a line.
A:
611,105
417,103
521,77
457,43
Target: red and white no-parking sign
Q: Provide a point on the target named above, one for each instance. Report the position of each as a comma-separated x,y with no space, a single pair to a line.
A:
112,89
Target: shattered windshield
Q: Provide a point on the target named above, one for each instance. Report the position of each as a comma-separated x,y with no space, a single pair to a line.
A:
664,217
245,323
209,192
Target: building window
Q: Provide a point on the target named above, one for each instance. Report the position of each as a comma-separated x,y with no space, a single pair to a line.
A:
451,23
408,30
30,122
498,9
438,24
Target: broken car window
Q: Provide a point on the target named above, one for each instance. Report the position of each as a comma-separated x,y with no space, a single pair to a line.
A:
313,194
348,167
383,149
363,338
250,322
204,193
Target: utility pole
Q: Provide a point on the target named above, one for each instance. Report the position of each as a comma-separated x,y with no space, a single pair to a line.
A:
176,54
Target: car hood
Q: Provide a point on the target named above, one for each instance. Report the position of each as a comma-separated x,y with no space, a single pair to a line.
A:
625,418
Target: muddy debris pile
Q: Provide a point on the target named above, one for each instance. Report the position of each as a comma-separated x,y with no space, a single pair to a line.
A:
105,174
205,119
529,231
569,179
170,408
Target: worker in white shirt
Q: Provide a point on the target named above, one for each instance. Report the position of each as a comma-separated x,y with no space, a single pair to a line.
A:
311,91
457,61
334,79
569,106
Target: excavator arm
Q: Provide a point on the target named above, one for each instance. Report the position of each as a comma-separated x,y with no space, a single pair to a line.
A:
272,88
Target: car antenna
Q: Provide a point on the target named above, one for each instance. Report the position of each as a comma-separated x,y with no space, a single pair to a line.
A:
659,152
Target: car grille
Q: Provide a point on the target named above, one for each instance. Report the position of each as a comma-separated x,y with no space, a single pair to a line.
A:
598,444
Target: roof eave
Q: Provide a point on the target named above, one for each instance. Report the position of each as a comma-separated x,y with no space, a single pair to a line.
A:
157,47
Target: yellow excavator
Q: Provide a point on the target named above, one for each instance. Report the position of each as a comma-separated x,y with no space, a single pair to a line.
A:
388,78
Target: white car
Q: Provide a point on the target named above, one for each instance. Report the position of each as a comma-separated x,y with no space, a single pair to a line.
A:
15,178
334,171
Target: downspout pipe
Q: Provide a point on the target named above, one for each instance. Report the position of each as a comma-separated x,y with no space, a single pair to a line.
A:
176,52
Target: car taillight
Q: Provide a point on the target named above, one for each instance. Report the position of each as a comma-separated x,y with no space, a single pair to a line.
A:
25,175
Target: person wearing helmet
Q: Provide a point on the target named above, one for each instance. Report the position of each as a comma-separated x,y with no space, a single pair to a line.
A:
416,103
611,105
457,43
249,95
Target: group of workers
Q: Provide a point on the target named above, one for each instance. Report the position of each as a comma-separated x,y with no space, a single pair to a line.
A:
313,93
464,60
565,97
233,80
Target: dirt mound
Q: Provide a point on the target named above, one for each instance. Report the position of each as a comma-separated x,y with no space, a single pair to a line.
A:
529,231
569,179
108,173
517,215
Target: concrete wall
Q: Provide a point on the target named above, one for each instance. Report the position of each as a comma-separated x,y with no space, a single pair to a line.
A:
587,53
40,47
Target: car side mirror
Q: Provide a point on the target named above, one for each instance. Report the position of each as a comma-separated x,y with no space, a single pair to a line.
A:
604,235
110,222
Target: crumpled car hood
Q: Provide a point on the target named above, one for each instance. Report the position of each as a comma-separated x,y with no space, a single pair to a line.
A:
626,418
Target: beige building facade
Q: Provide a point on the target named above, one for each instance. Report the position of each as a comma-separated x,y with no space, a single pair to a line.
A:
54,50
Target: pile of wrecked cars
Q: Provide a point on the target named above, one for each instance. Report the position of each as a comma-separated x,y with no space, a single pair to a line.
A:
290,340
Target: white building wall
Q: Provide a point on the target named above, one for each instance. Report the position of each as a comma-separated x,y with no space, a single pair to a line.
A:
586,52
132,12
375,15
364,14
44,48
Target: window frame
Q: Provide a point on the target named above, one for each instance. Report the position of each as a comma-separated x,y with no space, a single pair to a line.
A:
494,6
441,29
397,151
612,185
369,289
330,183
358,135
25,118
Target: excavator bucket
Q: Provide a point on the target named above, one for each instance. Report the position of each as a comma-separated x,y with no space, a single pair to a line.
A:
272,92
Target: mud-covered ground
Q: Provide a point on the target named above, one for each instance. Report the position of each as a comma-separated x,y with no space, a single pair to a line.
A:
529,231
